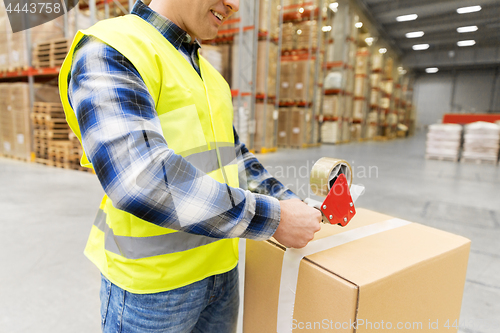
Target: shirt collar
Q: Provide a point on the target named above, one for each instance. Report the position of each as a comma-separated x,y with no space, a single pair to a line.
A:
175,35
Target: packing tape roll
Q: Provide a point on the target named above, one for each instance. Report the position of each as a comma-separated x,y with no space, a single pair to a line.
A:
292,258
324,173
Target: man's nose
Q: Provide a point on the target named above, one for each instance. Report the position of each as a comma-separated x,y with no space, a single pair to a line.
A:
233,5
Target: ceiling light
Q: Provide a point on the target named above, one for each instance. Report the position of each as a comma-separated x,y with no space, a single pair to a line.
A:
382,50
471,28
369,40
327,28
299,32
301,10
466,42
420,47
415,34
358,24
471,9
334,6
404,18
432,70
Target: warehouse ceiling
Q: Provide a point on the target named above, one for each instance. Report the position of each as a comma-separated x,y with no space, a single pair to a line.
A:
439,21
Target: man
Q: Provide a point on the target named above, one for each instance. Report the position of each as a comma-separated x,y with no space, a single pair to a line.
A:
155,122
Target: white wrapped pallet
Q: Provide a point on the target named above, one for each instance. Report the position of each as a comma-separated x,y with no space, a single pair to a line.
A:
329,132
443,142
481,142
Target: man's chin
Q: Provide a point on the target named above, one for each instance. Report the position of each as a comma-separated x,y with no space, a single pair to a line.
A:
209,36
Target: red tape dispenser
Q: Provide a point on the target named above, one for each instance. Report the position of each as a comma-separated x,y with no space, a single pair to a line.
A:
332,178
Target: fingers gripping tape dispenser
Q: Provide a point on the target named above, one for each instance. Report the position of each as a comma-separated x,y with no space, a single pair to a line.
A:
332,179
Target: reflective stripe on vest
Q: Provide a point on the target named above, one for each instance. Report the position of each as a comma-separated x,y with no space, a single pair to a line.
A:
207,161
144,247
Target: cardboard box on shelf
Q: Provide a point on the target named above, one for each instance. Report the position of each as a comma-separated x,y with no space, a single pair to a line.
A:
329,132
377,61
297,127
375,80
269,62
359,109
347,109
346,131
303,80
400,273
331,106
362,63
360,86
283,118
264,122
356,132
286,81
385,102
371,130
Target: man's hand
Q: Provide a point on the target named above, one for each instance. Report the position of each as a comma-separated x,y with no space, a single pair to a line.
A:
298,223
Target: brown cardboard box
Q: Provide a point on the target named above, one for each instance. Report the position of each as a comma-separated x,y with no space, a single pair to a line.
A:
359,109
331,106
286,81
329,132
375,97
303,85
377,61
355,132
362,63
360,86
262,121
267,62
412,274
297,127
283,136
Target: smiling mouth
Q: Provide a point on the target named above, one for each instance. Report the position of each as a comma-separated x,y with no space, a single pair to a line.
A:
217,15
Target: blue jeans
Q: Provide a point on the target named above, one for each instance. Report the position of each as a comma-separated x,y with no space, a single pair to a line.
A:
209,305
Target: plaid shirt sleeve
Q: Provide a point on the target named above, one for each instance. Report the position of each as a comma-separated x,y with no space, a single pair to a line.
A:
122,136
256,178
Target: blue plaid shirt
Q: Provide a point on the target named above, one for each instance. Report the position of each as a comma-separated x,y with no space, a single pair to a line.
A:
139,173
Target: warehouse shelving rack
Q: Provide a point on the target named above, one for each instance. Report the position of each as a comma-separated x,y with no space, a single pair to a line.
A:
341,60
296,13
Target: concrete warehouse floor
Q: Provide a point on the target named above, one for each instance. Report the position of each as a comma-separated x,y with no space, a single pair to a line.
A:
47,285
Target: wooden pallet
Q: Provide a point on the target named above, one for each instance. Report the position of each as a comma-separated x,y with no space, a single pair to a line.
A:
55,134
441,158
53,110
51,53
478,160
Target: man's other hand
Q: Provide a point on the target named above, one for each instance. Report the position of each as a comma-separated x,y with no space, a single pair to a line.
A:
298,223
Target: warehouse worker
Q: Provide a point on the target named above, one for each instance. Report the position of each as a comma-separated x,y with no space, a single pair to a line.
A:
155,121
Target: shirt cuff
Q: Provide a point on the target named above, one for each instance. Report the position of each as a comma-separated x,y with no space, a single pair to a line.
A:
266,219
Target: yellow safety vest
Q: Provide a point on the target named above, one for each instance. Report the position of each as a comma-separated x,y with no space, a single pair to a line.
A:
196,117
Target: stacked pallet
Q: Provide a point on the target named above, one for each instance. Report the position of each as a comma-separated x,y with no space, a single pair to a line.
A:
50,128
481,142
50,53
443,142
